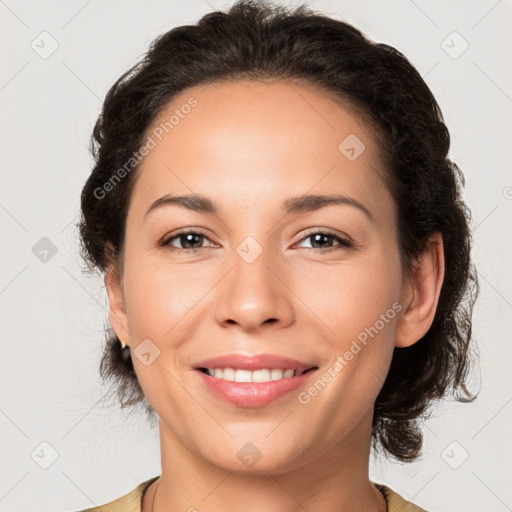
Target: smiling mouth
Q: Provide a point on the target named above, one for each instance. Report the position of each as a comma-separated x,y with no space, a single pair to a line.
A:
255,376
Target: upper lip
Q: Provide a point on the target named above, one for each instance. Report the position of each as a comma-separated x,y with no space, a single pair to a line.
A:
255,362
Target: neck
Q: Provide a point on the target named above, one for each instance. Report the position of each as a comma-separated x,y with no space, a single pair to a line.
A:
335,480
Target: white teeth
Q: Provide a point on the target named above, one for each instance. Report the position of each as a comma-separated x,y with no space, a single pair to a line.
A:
228,374
243,376
264,375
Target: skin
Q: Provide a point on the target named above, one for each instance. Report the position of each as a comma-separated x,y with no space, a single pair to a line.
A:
249,146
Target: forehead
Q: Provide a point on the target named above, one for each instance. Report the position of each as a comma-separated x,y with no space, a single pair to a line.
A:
242,139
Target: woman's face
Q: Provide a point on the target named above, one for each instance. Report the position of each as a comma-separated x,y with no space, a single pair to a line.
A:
255,278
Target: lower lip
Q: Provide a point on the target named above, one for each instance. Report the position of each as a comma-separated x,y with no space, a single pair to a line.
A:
253,394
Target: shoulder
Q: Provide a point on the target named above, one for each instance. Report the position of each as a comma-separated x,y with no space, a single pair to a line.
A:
395,502
131,502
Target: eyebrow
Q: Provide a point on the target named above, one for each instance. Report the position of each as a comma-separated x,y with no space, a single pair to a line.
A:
296,204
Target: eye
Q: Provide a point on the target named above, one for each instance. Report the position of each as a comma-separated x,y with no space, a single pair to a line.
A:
191,241
188,239
321,237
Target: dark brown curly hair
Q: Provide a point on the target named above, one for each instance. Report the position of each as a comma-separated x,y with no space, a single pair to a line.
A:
258,40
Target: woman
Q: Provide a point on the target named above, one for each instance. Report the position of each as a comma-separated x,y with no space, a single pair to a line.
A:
287,260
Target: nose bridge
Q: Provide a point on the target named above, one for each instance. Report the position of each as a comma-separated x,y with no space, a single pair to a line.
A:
252,293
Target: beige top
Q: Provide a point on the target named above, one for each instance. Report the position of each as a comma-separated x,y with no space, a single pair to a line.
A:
132,502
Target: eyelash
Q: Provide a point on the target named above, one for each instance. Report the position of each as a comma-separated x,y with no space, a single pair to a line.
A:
343,242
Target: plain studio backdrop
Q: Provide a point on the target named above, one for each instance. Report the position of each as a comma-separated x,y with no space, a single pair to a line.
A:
64,446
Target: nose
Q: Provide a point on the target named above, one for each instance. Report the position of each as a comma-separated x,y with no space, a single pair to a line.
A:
254,294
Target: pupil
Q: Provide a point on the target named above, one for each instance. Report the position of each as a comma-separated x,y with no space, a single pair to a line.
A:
187,238
319,235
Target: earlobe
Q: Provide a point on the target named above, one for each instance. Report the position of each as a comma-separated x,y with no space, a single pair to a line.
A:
117,312
421,293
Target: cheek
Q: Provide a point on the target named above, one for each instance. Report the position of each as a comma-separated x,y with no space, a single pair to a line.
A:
160,301
160,295
343,298
352,296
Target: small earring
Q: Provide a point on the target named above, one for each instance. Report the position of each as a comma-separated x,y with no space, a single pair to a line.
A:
123,345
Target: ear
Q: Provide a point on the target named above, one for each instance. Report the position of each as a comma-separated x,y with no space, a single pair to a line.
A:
117,313
420,294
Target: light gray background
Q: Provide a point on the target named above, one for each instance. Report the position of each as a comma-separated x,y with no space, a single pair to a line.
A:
52,316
